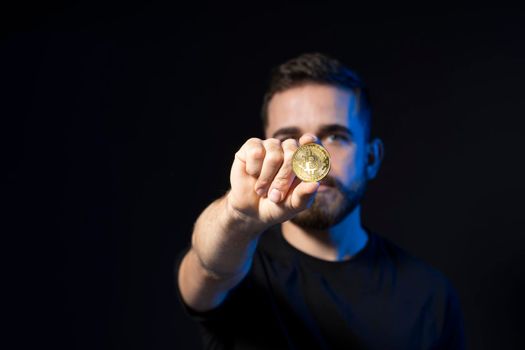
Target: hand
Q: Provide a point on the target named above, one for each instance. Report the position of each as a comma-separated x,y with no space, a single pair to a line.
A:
264,189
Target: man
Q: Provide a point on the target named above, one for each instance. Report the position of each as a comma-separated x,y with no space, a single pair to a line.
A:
279,263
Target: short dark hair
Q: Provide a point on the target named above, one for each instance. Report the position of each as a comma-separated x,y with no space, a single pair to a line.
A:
318,68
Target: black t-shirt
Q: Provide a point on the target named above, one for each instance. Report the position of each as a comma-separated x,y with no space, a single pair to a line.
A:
382,298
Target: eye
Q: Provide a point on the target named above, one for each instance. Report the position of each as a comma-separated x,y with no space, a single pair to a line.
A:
286,137
331,138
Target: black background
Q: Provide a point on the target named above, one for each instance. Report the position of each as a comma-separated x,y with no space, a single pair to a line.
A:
120,124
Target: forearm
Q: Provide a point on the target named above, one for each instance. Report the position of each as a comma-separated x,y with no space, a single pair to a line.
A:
223,243
224,240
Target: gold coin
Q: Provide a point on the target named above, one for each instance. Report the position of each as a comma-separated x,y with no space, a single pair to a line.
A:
311,162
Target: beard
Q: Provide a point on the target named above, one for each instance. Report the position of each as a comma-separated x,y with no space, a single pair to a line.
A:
330,207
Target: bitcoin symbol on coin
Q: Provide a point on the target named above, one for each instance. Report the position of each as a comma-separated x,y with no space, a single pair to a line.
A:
311,162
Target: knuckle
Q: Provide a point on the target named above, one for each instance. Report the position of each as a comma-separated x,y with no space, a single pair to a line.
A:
272,141
274,157
289,144
288,158
252,142
239,155
280,182
256,152
262,183
252,170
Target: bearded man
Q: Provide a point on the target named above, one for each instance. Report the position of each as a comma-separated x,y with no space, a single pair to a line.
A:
278,263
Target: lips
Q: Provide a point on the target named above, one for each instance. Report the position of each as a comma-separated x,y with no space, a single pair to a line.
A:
324,187
328,182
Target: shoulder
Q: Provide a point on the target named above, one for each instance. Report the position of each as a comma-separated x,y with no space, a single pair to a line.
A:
408,266
431,289
434,290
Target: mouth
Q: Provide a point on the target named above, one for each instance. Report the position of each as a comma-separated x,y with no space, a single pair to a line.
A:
324,187
327,184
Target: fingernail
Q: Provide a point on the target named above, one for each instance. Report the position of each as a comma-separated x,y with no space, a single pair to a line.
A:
260,192
313,137
275,195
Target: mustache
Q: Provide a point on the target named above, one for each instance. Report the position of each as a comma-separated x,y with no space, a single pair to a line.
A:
331,182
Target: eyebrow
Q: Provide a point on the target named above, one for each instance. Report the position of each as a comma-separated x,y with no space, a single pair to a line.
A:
286,131
324,129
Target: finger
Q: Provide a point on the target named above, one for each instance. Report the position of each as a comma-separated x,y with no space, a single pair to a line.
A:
283,179
272,162
302,194
254,157
308,138
251,154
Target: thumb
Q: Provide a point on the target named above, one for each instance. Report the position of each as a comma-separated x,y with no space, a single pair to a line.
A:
302,194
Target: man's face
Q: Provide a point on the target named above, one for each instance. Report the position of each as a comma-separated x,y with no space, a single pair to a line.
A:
330,114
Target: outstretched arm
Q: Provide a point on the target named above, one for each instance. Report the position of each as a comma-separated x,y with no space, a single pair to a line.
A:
264,192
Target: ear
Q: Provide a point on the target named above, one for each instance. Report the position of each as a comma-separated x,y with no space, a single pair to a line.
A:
375,153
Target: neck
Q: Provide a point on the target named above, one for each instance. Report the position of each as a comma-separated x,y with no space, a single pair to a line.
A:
338,243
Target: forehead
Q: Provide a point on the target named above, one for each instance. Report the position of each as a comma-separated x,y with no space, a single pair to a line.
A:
311,105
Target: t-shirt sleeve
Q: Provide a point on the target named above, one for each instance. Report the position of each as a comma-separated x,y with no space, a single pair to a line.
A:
204,317
199,316
453,333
